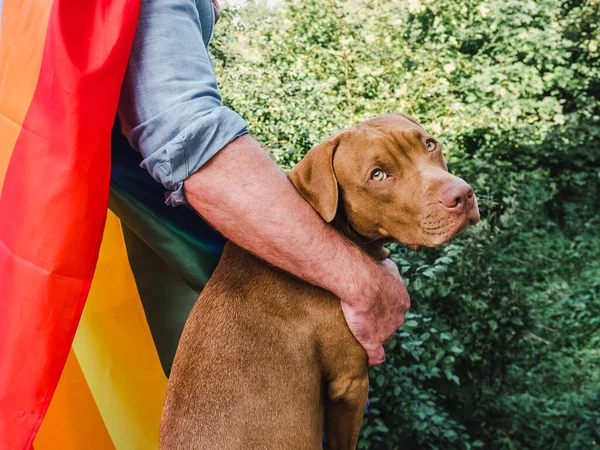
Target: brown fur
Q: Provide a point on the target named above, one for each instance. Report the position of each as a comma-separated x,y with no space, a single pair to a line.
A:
262,350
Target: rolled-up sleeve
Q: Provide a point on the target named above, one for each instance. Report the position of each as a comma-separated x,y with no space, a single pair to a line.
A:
170,107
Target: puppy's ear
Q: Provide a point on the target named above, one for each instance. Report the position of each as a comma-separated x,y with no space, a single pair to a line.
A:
315,180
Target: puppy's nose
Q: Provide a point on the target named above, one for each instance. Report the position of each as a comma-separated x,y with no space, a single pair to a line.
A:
458,197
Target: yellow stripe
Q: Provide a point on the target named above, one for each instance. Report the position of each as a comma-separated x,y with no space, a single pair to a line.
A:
73,421
116,351
22,38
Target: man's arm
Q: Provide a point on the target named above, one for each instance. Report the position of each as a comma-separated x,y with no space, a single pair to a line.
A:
171,112
245,196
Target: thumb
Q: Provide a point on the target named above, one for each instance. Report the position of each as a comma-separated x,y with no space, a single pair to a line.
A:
376,355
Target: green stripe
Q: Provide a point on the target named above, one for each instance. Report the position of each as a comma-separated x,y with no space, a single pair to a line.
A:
169,266
185,254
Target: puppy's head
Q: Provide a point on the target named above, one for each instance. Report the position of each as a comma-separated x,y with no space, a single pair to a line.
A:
389,179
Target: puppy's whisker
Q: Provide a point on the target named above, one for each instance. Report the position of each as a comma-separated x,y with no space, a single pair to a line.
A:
348,227
376,239
432,228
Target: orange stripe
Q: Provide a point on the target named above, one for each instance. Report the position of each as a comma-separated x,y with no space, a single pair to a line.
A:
73,421
20,62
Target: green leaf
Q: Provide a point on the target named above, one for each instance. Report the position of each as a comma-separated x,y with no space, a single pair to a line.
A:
411,323
456,349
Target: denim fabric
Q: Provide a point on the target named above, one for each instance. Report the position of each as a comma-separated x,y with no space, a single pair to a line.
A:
170,107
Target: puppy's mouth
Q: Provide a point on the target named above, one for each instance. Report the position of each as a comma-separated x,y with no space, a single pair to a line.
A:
432,233
439,230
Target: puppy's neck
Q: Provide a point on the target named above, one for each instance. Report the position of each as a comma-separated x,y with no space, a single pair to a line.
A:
374,248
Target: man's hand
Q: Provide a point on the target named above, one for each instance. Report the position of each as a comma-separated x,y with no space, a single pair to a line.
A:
216,10
376,309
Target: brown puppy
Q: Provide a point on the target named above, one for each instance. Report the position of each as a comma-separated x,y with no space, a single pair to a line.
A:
262,350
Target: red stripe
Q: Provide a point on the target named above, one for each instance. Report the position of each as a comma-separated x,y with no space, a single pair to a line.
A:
53,204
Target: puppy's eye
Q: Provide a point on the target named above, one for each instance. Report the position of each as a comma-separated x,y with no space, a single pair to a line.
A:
378,175
430,145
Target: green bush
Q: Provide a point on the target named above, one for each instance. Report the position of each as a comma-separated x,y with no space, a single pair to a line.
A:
501,349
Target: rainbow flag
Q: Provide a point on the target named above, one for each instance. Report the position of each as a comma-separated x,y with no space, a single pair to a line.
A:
91,302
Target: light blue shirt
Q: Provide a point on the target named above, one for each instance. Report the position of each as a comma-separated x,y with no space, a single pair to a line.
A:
170,107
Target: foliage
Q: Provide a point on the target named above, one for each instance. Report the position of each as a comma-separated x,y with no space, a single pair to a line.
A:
501,349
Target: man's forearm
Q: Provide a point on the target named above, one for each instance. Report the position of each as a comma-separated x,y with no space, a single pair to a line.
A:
244,195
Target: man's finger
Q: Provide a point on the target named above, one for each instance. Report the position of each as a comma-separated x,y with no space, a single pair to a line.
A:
376,356
390,265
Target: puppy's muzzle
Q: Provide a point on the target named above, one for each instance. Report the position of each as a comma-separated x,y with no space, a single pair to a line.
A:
458,198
